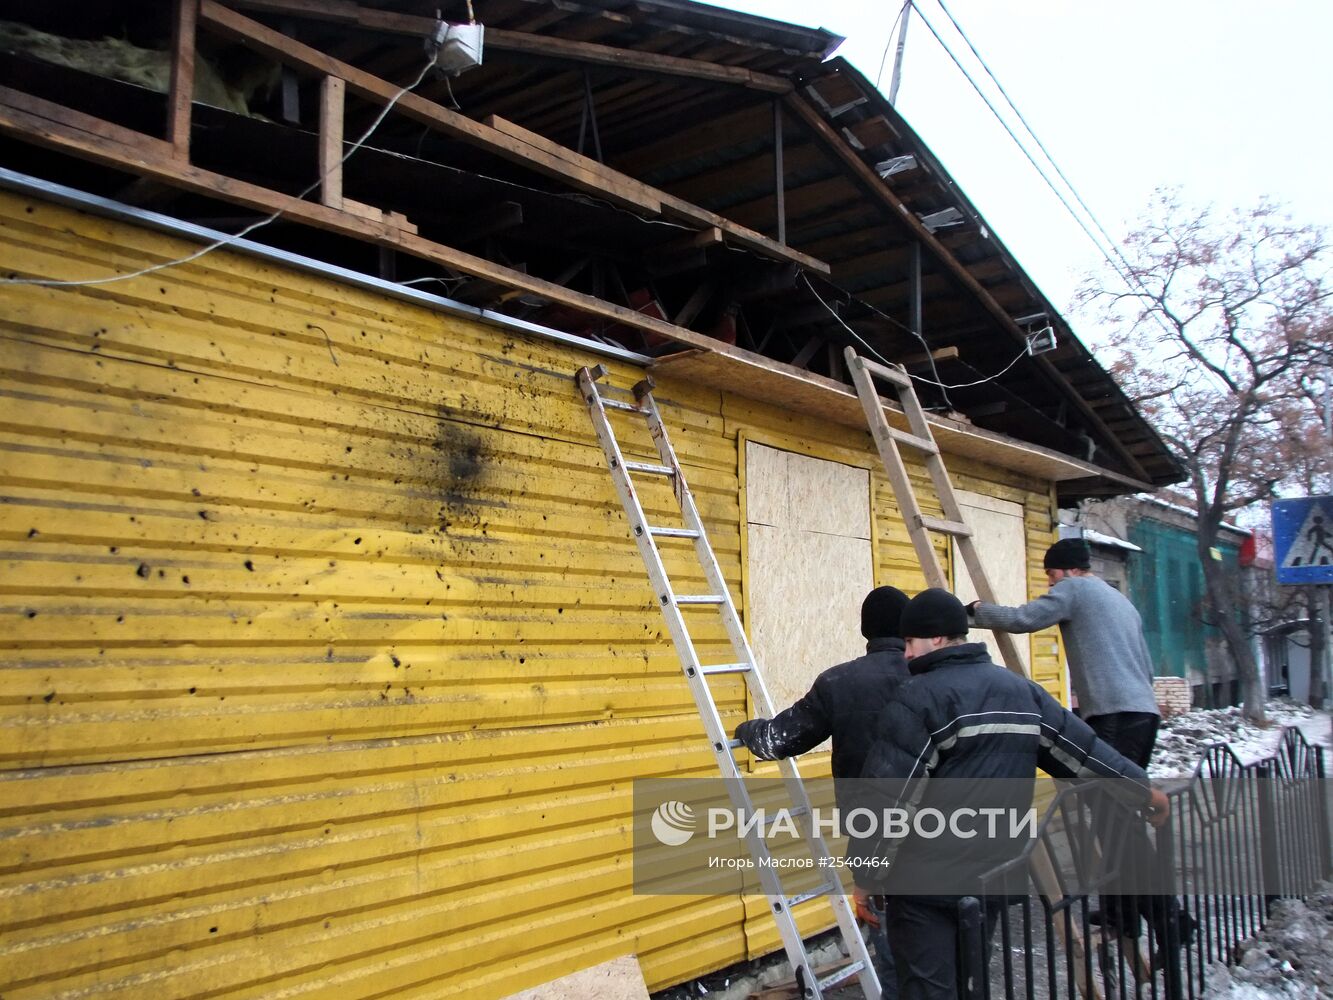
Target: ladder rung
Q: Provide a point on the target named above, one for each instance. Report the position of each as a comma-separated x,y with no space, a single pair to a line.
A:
894,375
735,744
840,975
805,897
615,404
700,599
798,811
673,532
955,528
652,470
912,441
725,668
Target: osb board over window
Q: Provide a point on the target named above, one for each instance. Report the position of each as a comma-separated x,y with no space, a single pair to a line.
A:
998,529
810,564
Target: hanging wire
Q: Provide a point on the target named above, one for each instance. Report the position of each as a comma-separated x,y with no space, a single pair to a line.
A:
1126,277
1115,248
883,360
888,45
227,240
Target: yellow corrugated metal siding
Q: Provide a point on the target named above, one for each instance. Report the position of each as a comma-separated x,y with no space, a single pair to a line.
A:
327,661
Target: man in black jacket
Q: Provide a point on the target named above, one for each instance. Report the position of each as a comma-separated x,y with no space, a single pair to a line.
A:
844,703
964,730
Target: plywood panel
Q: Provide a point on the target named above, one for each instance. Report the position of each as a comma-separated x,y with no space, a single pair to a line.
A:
998,531
809,572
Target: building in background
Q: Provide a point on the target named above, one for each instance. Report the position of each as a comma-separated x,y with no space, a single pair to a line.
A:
1146,546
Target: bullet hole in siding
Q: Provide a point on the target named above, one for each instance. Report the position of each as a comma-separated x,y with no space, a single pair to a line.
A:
349,449
31,613
195,491
32,533
120,619
193,690
522,660
212,930
249,565
185,580
48,696
356,541
396,662
162,289
328,654
560,611
161,574
28,209
439,576
114,549
203,514
143,571
383,696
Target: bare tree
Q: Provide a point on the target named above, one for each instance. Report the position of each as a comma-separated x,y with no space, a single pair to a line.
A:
1222,336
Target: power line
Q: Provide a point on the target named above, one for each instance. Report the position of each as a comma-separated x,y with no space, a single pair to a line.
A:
227,240
919,378
1035,138
1022,148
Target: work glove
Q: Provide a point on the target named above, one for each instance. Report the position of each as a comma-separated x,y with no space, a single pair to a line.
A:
1158,809
863,910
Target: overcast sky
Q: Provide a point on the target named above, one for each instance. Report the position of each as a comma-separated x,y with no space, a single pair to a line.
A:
1228,100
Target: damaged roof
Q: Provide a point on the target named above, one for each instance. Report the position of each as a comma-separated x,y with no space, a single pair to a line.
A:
656,173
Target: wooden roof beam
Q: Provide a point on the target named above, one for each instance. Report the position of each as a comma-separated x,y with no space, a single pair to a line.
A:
512,143
66,130
526,43
878,189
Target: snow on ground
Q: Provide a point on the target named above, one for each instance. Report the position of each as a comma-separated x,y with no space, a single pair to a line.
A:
1290,959
1182,740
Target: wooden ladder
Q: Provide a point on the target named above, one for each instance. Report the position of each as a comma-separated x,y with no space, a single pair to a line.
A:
919,526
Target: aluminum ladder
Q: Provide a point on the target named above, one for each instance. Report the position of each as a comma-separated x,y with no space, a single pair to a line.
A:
673,607
919,526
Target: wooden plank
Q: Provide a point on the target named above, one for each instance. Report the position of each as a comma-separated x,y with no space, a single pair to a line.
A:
668,204
39,118
51,131
181,88
876,187
331,102
602,182
530,43
632,60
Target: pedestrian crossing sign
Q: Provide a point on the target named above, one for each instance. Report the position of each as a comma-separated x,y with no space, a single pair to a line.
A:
1303,540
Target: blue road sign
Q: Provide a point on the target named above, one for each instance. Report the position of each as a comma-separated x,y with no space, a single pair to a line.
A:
1303,540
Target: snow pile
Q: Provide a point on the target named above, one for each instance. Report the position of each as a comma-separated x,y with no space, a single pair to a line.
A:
1291,959
1183,739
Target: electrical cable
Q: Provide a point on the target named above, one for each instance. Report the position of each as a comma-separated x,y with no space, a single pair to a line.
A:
1023,149
227,240
1040,145
883,360
888,45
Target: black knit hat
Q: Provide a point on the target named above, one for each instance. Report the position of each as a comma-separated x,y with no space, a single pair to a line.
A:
1068,553
934,612
881,612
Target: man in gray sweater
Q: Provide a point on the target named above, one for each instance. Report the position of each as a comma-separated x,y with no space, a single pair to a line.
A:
1111,673
1109,666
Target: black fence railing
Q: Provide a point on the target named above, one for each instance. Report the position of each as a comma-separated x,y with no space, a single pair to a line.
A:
1143,914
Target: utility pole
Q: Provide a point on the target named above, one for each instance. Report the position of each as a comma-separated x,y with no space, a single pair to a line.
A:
898,57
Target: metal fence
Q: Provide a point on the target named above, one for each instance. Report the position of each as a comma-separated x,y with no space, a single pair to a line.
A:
1148,923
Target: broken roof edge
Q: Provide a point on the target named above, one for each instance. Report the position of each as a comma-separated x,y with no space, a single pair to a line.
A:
775,383
819,42
908,135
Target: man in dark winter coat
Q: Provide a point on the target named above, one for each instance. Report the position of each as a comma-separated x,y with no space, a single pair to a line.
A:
844,703
964,730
